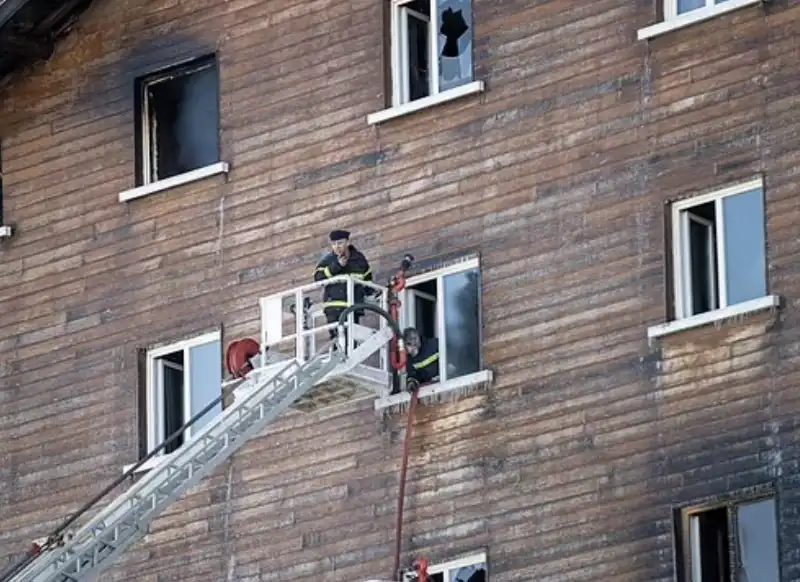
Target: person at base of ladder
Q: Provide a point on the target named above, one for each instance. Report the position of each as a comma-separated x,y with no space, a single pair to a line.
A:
344,259
423,356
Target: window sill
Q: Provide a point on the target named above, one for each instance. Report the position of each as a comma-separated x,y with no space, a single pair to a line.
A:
6,232
426,102
695,321
150,464
441,388
174,181
693,17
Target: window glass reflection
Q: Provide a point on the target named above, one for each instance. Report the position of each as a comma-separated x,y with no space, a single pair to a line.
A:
462,320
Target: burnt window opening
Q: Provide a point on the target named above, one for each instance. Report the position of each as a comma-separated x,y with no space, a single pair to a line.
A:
432,47
177,120
733,542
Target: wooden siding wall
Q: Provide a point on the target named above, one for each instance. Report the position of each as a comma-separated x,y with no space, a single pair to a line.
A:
569,467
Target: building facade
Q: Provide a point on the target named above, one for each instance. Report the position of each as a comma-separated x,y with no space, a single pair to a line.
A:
620,178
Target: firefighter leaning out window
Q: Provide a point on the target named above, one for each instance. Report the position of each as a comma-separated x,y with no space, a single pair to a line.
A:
344,259
423,356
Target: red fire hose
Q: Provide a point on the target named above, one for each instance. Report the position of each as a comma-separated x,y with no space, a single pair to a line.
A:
398,284
403,470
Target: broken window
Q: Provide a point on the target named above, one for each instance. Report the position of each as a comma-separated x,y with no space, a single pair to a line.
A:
719,250
178,121
445,304
734,538
184,378
468,569
431,47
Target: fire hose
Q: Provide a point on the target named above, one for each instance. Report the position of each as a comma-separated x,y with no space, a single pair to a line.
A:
398,360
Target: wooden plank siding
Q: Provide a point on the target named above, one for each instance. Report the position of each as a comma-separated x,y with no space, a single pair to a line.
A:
568,468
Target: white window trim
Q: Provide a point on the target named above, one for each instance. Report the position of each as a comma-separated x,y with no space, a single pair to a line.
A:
6,231
466,561
680,242
686,271
470,560
703,319
438,275
675,22
154,406
444,385
174,181
426,102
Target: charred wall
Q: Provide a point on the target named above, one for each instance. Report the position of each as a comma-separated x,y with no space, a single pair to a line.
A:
570,466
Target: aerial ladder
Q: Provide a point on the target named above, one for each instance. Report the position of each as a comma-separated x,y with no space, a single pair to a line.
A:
262,394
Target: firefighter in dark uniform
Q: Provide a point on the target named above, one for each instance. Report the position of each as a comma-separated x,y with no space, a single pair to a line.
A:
423,356
344,259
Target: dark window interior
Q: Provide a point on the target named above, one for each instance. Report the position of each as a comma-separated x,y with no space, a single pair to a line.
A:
426,310
182,120
173,398
737,542
703,270
418,66
714,546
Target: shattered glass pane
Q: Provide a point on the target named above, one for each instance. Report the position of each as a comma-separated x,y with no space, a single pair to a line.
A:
455,43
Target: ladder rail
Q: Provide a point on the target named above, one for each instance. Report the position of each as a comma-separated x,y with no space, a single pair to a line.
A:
263,397
128,517
55,536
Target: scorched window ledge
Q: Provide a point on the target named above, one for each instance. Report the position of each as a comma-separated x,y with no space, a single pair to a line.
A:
425,102
174,181
692,17
702,319
476,379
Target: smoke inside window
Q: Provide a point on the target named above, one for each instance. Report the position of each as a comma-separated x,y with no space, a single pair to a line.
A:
182,121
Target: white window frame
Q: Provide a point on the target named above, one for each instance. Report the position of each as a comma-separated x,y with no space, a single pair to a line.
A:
410,314
445,568
680,246
673,21
399,72
399,40
154,395
671,8
686,272
438,275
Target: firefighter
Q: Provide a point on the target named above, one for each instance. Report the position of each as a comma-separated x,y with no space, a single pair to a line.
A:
344,259
423,356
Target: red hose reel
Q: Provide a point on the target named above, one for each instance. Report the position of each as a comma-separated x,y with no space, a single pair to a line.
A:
238,354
